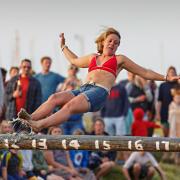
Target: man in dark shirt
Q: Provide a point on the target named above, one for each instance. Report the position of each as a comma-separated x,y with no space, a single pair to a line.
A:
115,110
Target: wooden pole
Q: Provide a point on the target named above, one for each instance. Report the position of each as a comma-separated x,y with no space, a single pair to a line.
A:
85,142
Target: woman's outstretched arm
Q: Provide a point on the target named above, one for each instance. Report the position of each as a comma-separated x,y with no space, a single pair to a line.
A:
129,65
82,62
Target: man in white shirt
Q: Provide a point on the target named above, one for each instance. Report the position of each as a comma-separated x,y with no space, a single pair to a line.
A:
140,165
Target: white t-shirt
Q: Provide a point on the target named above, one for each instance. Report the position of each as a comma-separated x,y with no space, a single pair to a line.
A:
137,157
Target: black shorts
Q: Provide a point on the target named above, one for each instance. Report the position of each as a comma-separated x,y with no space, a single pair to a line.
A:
143,173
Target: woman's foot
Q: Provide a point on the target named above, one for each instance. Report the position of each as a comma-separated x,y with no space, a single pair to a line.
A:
35,125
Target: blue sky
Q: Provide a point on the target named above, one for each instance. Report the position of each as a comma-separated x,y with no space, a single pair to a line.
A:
149,30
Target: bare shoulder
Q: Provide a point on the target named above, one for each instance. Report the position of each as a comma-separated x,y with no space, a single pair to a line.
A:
90,56
121,59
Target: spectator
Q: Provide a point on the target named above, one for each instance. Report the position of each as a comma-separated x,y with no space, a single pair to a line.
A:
140,93
153,89
14,71
140,126
101,161
48,79
22,91
115,111
71,83
164,99
174,119
41,168
27,164
5,127
137,166
138,90
80,159
12,165
60,160
150,113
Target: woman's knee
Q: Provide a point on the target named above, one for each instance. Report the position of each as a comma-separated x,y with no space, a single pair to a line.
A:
52,99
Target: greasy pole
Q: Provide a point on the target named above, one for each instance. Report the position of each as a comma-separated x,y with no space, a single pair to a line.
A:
89,142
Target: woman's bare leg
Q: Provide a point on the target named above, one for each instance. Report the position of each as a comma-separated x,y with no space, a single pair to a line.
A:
57,99
78,104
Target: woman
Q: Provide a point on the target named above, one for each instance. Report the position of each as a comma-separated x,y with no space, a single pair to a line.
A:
60,160
103,68
101,162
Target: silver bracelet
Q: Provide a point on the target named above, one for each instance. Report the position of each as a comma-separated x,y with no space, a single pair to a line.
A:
64,46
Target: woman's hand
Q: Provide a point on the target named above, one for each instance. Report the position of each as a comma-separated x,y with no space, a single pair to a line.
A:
62,40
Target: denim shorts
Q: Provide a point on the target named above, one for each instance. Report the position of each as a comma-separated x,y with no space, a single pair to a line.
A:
95,95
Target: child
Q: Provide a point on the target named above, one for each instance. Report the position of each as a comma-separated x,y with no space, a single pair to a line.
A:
139,126
12,165
5,127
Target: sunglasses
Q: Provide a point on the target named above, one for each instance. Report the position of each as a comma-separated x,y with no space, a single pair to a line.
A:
74,68
28,67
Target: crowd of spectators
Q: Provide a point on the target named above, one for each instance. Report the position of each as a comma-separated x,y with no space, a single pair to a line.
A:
135,107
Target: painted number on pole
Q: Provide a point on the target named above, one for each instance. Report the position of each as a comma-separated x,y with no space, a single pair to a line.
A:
137,144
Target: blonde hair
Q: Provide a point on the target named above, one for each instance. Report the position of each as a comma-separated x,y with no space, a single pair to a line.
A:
50,129
175,91
4,122
103,36
78,132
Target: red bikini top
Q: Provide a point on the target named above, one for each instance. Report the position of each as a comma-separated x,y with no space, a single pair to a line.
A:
110,65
